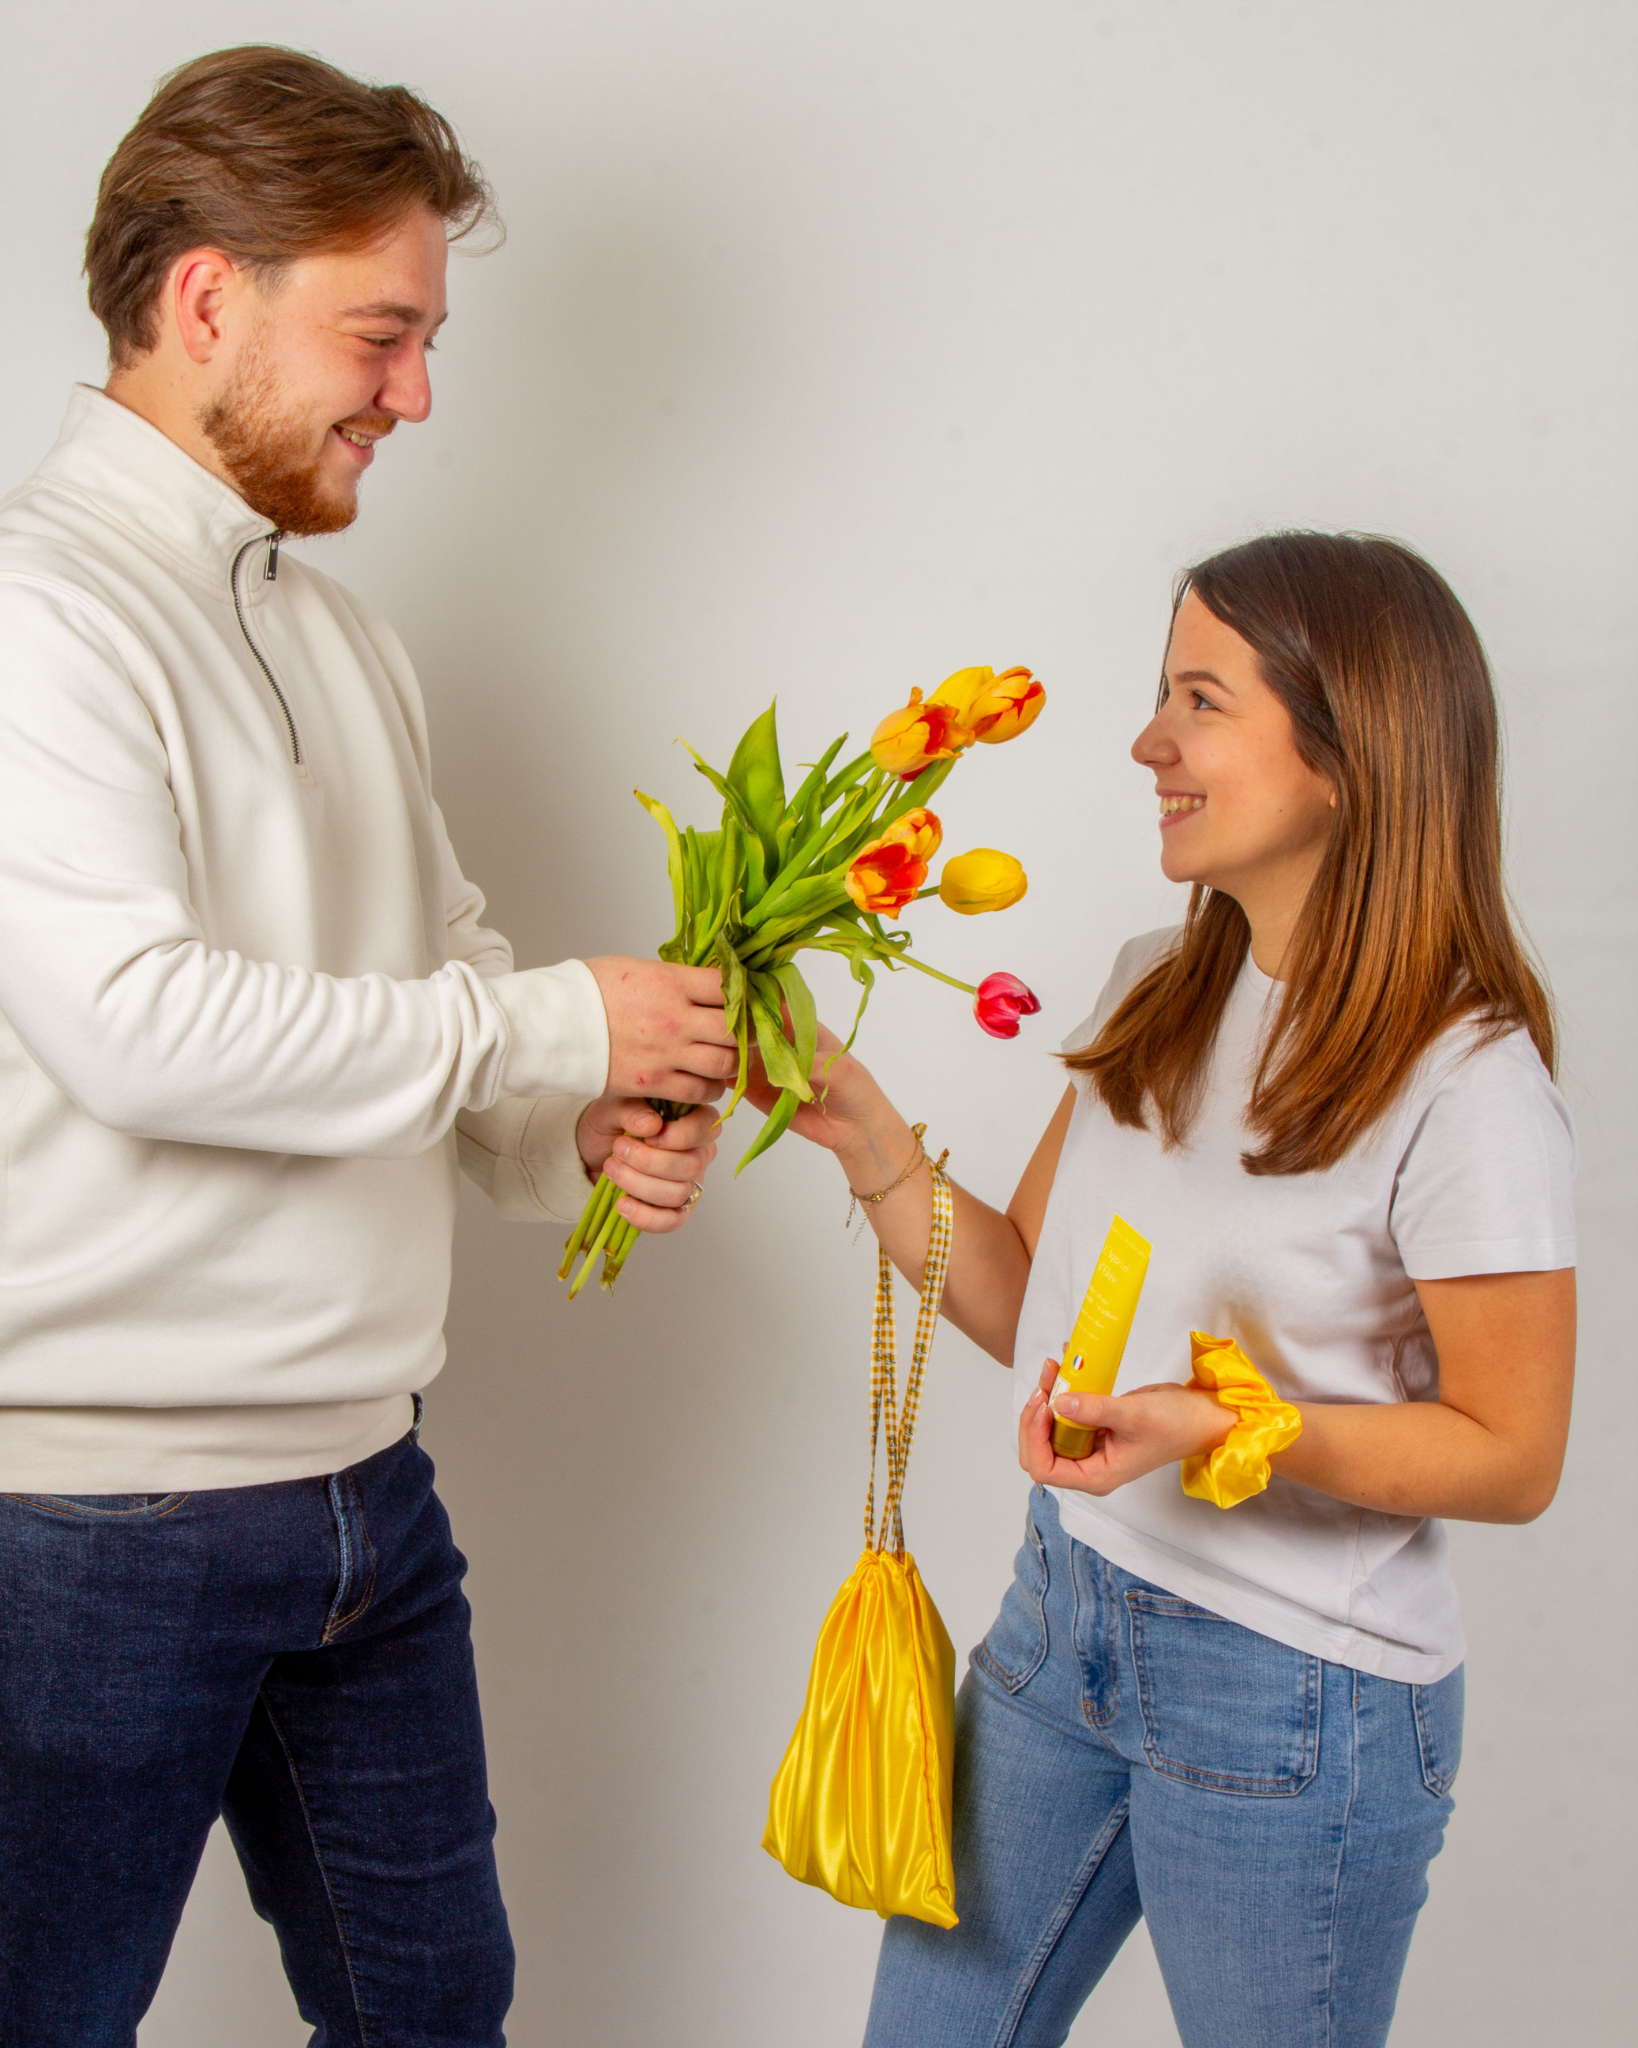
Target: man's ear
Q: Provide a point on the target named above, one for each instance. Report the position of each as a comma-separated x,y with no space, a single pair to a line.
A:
201,290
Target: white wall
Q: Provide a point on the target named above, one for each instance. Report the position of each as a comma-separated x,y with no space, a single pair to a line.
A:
836,345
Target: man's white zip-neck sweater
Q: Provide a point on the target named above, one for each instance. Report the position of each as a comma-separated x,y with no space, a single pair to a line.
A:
245,993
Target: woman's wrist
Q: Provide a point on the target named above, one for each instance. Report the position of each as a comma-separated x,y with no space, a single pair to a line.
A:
1211,1422
882,1148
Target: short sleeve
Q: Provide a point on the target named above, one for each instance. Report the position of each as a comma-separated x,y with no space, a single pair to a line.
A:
1133,961
1485,1183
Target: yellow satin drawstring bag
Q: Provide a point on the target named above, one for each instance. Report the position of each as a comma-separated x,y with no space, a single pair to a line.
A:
860,1806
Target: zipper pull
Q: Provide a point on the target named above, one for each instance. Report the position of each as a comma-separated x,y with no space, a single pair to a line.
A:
271,573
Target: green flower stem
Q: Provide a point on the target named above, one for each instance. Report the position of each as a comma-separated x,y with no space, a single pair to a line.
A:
897,959
789,936
614,1257
605,1232
597,1203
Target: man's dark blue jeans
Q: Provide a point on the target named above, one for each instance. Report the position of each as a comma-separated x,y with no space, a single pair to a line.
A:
296,1657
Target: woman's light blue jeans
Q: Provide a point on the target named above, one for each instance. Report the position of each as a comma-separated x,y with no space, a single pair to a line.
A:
1122,1753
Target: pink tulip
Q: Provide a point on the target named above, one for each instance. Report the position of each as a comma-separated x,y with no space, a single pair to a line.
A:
1002,1000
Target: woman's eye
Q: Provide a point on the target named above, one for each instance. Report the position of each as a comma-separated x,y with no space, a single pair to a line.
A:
1202,703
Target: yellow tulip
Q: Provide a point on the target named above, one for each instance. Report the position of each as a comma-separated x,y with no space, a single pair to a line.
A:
992,707
981,880
958,693
1010,705
910,740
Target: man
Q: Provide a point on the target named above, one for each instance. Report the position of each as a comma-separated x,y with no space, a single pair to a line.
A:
249,1013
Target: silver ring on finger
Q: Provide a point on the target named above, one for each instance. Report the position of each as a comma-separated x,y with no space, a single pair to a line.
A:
695,1191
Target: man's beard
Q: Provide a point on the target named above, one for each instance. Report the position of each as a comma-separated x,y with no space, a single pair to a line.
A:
263,451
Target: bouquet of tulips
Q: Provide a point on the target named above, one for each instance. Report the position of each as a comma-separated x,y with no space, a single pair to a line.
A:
818,871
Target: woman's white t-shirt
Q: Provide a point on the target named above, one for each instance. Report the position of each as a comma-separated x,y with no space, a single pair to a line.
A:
1469,1172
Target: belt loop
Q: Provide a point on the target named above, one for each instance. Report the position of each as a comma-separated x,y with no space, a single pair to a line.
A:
415,1426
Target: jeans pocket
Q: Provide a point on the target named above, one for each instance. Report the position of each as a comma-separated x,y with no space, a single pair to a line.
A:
1222,1706
1016,1645
1439,1710
101,1507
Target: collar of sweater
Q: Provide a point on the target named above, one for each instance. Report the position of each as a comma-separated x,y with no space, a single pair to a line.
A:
126,471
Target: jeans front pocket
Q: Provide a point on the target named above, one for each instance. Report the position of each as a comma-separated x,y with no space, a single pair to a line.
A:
101,1506
1439,1712
1222,1706
1016,1646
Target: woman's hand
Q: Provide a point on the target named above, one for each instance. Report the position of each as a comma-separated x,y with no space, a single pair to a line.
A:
1137,1432
846,1098
878,1151
658,1165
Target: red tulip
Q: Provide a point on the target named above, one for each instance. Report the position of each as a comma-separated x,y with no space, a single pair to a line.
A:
1002,1000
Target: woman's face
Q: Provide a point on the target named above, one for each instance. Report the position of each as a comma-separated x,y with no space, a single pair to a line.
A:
1240,810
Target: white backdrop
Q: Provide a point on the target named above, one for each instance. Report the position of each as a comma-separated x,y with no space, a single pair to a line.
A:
836,345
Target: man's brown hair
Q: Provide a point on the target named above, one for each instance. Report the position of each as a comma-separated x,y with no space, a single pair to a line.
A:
1406,928
267,155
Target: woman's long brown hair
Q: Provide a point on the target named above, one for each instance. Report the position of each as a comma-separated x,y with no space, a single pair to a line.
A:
1406,927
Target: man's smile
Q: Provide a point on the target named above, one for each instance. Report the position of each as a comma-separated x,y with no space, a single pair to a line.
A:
365,437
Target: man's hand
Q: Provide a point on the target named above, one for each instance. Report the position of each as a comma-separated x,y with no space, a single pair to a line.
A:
1137,1432
659,1165
667,1031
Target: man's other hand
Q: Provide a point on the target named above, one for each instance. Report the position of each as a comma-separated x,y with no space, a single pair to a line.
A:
657,1165
667,1033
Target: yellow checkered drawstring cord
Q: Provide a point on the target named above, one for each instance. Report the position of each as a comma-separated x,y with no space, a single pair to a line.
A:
884,1407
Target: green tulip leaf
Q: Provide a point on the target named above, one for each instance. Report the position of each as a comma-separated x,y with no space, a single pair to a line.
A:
846,777
735,990
808,801
673,855
804,1016
754,774
730,796
777,1124
779,1059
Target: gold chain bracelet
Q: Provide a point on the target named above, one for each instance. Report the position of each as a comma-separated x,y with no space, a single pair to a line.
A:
918,1132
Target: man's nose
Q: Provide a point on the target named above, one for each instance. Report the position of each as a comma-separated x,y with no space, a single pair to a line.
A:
407,393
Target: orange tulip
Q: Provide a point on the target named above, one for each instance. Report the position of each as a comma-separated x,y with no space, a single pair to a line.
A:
884,876
981,880
919,830
910,740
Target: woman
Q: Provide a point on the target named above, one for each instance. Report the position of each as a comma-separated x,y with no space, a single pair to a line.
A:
1327,1102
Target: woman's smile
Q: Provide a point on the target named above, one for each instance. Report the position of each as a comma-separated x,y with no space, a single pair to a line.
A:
1178,804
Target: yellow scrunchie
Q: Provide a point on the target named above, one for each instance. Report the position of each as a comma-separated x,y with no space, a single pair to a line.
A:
1238,1467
